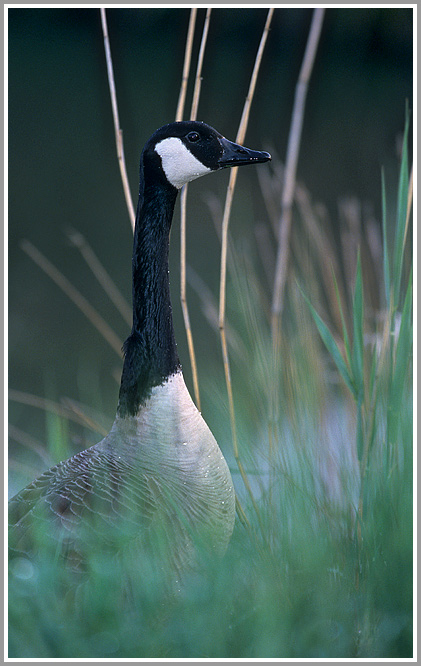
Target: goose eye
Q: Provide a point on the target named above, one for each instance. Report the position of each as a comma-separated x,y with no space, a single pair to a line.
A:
193,136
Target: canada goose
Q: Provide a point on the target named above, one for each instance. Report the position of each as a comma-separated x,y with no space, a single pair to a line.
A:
159,470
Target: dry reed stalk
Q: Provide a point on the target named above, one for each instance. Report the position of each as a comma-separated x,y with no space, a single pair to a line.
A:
29,443
118,130
66,286
210,312
183,195
79,241
264,245
269,180
183,296
198,80
80,301
46,405
290,173
186,66
78,410
224,249
324,254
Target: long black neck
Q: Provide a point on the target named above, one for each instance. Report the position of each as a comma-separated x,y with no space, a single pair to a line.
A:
150,354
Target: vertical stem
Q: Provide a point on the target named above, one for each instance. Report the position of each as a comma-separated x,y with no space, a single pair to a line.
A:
246,109
183,196
186,68
118,130
224,250
409,204
183,297
198,81
291,169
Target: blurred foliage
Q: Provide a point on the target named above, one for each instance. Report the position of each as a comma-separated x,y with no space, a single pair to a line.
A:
325,571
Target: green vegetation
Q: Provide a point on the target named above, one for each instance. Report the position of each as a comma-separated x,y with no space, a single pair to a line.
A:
325,568
320,562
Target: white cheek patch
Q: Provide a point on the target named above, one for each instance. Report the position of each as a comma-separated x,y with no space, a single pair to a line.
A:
179,164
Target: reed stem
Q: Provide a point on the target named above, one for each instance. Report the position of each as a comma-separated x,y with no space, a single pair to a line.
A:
183,196
224,251
291,170
117,128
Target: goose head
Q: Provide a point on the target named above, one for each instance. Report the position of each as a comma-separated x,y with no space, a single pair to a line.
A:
183,151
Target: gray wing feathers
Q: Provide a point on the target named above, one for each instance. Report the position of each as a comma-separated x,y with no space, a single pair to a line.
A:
94,491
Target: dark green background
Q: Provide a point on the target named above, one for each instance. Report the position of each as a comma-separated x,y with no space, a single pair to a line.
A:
63,170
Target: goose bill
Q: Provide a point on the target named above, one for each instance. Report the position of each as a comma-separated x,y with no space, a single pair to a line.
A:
235,155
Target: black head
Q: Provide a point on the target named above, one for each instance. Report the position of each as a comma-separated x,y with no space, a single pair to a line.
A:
190,149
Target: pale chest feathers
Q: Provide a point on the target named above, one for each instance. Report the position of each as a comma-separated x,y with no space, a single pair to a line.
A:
169,444
169,433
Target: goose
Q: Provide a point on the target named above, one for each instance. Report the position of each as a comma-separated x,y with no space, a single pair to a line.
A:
158,481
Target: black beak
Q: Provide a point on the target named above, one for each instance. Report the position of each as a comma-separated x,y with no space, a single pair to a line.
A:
235,155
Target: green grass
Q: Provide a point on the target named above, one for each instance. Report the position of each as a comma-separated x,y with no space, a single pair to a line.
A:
325,569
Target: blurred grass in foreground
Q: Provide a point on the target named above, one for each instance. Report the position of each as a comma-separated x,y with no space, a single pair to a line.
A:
325,570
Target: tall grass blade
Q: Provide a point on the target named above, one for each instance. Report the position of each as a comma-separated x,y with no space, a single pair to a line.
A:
403,354
386,262
358,331
401,216
347,346
333,349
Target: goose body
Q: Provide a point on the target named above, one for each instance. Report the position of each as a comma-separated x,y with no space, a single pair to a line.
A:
158,480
